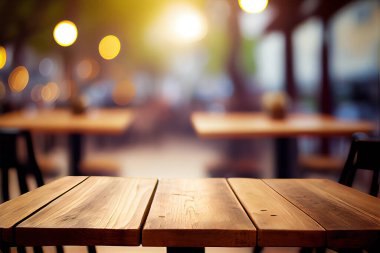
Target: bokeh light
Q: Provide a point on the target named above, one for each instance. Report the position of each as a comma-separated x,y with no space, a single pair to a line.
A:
50,92
109,47
253,6
3,57
123,93
3,91
66,90
65,33
35,94
18,79
47,67
87,69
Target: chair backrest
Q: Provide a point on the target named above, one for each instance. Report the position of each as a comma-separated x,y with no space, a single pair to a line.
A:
364,154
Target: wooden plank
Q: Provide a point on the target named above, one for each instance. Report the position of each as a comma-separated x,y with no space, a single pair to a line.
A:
359,200
197,213
15,210
278,222
346,227
100,211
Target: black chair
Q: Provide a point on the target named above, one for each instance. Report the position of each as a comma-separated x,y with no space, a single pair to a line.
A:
9,160
364,154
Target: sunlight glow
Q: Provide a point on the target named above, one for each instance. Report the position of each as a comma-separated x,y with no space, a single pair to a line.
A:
253,6
3,57
109,47
18,79
65,33
188,26
180,24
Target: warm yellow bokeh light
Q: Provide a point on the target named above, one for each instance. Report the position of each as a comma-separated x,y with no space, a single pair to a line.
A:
253,6
3,57
18,79
50,92
109,47
123,93
65,33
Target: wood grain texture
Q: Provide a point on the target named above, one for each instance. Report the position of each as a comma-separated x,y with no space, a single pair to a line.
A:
361,201
102,121
100,211
243,125
197,213
278,222
346,226
15,210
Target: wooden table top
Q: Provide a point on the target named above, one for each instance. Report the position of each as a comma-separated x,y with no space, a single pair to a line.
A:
192,213
102,121
239,124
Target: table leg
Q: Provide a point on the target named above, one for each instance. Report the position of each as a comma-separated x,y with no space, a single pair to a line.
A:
185,250
36,249
91,249
75,152
285,157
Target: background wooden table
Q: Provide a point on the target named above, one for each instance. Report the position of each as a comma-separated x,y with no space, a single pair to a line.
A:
254,125
196,213
62,121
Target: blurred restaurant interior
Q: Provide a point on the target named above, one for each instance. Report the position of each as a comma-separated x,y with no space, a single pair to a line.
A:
158,63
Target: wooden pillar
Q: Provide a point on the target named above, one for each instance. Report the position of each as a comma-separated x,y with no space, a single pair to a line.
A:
325,100
290,84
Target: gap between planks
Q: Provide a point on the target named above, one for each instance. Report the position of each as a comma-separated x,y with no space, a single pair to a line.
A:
147,210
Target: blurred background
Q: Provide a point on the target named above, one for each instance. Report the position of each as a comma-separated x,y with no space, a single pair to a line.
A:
166,59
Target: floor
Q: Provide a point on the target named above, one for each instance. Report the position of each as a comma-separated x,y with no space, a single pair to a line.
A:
170,156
